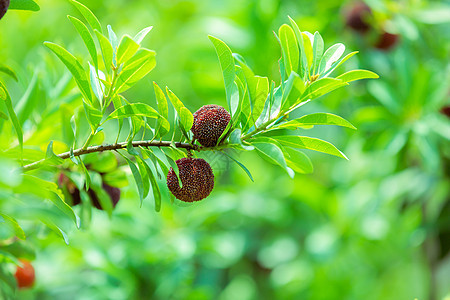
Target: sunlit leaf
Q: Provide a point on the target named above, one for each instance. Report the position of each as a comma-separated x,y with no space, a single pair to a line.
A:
315,119
88,15
135,109
74,67
305,142
87,38
227,64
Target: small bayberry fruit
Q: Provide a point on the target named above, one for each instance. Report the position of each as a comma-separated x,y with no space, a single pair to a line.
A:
113,193
357,17
4,4
209,123
386,40
25,275
74,192
197,180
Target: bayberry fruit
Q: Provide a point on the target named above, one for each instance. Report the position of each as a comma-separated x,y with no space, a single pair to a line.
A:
357,17
386,40
25,275
4,4
197,180
113,193
209,123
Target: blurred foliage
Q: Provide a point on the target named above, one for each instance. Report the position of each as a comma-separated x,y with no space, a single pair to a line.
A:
374,227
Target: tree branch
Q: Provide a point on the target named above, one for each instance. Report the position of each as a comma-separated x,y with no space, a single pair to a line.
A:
109,147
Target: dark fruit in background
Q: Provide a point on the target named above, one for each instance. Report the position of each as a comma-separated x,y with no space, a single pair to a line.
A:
209,123
4,4
386,40
113,192
356,17
25,275
196,177
74,192
445,110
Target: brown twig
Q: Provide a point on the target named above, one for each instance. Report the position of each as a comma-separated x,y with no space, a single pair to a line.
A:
110,147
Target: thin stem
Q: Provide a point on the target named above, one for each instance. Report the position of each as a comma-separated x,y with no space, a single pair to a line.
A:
116,146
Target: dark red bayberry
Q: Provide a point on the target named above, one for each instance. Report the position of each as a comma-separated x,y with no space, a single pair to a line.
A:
209,123
386,40
74,192
25,275
4,4
356,17
196,177
445,110
113,193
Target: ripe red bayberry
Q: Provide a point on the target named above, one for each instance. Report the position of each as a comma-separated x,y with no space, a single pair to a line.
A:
4,4
386,40
356,17
74,192
196,177
209,123
25,275
113,192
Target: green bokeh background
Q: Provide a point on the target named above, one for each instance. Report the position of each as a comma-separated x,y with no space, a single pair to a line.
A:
374,227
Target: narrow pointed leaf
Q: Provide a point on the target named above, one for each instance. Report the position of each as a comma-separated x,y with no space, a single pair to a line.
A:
315,119
289,47
87,38
227,64
305,142
357,75
135,109
74,67
88,15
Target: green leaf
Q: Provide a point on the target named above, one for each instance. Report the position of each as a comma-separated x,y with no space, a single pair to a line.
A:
155,188
315,119
142,34
357,75
298,161
271,153
161,101
289,47
24,5
307,44
113,38
310,143
318,47
135,109
321,87
227,64
12,223
88,15
93,115
303,58
86,173
144,170
127,48
339,62
235,138
331,56
258,88
74,67
137,178
97,87
107,50
87,38
50,156
186,117
156,191
240,165
4,95
141,67
49,190
8,71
